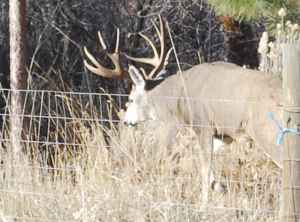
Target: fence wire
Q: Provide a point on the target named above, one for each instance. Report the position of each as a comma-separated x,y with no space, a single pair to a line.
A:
83,164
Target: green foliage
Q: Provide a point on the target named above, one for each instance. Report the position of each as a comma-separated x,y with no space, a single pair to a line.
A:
245,10
293,15
241,10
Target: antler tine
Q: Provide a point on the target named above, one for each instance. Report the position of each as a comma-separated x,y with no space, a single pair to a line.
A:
157,60
118,72
102,41
149,61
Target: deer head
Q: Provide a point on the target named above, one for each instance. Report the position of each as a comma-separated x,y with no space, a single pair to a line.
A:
137,110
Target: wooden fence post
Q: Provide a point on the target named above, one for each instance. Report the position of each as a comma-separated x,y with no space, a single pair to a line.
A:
18,74
291,145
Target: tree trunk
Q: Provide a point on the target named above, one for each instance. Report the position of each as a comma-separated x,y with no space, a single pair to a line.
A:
241,48
18,74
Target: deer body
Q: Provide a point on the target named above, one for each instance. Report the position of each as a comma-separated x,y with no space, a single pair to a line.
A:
209,87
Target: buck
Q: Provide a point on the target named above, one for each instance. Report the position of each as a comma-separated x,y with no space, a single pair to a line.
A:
200,98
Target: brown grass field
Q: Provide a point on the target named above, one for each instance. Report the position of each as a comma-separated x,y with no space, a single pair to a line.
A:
80,169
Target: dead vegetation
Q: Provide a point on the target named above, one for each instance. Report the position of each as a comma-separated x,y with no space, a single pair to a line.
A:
88,169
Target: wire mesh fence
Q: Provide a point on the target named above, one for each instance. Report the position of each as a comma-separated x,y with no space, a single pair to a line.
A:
81,163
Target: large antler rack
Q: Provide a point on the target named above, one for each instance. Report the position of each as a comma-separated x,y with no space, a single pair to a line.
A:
158,59
119,72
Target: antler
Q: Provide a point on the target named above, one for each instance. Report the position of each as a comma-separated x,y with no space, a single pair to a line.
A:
118,72
158,60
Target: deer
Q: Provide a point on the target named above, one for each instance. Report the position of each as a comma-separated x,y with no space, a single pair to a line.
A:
200,99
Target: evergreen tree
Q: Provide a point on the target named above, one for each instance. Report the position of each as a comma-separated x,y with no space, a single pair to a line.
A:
235,16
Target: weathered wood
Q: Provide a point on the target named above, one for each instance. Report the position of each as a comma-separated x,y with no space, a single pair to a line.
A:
18,73
291,153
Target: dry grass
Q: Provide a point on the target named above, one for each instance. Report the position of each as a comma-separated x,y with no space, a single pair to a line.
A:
271,52
153,173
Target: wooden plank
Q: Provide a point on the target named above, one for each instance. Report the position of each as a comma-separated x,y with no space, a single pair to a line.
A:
291,146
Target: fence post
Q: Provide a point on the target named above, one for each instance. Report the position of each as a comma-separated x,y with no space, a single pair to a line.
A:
18,75
291,146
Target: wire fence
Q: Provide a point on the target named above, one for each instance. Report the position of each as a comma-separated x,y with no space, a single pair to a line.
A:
81,163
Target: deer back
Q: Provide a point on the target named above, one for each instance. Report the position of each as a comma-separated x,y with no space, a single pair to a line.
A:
226,97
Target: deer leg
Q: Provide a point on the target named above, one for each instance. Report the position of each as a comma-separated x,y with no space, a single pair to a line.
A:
206,136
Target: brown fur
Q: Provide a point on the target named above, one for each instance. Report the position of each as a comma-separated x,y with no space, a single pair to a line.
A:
234,100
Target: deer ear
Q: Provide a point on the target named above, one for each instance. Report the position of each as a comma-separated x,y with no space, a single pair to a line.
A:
137,78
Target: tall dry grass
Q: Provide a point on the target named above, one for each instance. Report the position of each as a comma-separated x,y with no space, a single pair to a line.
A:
270,49
83,167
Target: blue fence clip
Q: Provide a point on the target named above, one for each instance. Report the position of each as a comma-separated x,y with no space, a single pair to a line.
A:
282,131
